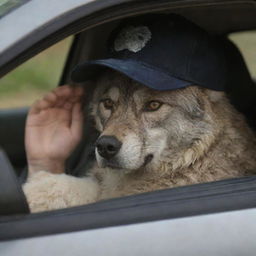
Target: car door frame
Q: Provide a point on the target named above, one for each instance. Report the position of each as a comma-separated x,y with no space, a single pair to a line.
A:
200,199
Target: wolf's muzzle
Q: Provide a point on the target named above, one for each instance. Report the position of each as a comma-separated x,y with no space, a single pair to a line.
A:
108,146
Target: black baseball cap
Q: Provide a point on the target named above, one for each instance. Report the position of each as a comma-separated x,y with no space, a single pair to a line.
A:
163,52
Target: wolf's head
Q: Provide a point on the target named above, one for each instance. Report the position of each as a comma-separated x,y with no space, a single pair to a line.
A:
145,128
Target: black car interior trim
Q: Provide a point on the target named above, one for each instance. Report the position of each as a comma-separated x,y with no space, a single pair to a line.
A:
12,130
12,198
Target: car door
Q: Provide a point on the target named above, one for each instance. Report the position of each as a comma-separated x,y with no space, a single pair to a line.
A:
164,222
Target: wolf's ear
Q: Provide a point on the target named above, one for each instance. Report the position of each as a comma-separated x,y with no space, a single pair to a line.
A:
214,96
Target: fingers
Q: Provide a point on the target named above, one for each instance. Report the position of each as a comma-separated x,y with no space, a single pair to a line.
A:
50,97
77,121
77,94
49,100
38,106
62,97
63,94
67,93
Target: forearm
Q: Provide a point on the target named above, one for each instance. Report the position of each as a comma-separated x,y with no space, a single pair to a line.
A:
53,130
46,191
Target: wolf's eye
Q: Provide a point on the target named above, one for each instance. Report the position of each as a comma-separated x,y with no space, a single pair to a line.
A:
108,103
153,105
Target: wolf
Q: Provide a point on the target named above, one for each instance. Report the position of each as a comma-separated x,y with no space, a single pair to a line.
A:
151,140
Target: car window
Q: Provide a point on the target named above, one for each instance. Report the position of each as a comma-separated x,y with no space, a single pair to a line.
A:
32,79
246,42
7,6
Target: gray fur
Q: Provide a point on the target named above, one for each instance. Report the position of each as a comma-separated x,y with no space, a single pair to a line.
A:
195,136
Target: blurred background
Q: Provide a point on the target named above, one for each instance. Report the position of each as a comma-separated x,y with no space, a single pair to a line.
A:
32,79
40,74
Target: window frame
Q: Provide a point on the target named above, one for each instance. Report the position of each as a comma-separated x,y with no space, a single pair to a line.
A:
194,200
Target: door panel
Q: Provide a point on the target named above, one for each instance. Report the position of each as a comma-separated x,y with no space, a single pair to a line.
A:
199,199
222,234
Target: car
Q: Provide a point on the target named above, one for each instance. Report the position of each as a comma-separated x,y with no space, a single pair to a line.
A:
216,218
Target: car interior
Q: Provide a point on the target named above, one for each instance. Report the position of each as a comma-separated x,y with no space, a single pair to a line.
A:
88,43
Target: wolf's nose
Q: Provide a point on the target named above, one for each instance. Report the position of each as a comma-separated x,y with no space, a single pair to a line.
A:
108,146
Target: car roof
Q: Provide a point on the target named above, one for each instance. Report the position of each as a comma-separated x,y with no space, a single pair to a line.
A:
7,6
32,16
35,21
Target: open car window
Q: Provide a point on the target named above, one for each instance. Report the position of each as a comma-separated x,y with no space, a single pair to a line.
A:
246,42
19,89
28,82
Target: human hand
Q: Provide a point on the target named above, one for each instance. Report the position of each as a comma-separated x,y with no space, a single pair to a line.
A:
53,129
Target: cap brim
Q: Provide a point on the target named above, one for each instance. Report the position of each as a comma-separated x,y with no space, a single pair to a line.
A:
140,72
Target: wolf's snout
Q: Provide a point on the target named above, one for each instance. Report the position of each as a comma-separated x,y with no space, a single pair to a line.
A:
108,146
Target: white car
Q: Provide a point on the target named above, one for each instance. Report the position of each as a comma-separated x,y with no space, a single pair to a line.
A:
217,218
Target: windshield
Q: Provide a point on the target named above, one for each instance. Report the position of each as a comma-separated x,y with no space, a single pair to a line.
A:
7,6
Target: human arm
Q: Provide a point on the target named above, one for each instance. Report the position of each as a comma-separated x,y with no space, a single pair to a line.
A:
53,130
